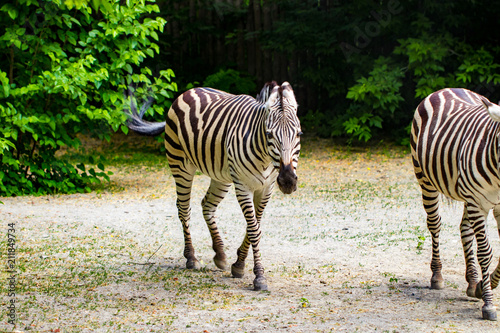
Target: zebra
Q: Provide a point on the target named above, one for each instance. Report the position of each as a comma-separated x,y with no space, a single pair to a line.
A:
233,139
455,152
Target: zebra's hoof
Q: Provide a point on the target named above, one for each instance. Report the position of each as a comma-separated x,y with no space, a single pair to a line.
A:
489,313
237,272
260,283
471,291
193,264
437,284
479,291
474,290
220,263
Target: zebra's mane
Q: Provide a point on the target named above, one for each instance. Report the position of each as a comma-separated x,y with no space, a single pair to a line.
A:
264,94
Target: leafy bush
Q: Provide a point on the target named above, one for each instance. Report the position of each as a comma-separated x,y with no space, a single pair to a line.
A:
66,73
416,68
374,98
231,81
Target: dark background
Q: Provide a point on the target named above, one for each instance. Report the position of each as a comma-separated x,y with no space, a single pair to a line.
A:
403,49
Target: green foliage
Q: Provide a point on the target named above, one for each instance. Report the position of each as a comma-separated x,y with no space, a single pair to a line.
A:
231,81
426,61
375,97
318,123
416,67
478,66
65,74
358,68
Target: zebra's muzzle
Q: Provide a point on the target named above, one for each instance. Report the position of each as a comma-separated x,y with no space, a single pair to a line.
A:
287,179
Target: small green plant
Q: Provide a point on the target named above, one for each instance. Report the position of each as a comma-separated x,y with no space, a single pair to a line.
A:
420,242
304,302
391,276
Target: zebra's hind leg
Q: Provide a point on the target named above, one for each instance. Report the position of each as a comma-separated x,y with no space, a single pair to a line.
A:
430,198
495,277
216,192
183,176
477,218
471,272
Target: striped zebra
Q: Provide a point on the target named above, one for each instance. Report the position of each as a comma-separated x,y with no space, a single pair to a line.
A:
251,143
455,151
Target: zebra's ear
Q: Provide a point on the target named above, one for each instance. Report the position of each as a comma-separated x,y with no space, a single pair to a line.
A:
273,98
493,109
288,94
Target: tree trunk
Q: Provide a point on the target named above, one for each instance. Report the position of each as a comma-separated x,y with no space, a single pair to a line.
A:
267,56
240,44
257,30
250,39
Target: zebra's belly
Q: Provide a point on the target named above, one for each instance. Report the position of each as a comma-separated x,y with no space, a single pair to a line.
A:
463,189
485,195
257,182
220,173
255,177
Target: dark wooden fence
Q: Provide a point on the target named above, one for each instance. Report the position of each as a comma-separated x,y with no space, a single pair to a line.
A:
205,35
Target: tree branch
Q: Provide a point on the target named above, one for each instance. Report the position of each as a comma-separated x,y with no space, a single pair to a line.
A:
11,68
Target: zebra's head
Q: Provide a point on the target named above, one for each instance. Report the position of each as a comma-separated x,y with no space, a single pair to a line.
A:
283,134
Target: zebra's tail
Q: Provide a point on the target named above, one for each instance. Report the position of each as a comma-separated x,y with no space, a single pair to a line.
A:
135,121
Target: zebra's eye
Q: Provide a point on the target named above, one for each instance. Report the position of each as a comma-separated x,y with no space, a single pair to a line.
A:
269,135
300,133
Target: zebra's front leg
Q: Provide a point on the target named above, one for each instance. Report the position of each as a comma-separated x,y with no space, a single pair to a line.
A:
216,192
495,277
238,268
477,218
471,272
252,238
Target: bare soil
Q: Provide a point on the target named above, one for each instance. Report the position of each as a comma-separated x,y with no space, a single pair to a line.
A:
349,251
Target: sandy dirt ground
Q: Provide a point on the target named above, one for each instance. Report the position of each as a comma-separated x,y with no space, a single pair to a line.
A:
349,251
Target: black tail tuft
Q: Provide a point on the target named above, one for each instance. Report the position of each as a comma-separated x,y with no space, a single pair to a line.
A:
135,121
145,127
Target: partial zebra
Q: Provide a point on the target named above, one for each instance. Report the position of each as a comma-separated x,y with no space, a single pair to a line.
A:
232,139
455,151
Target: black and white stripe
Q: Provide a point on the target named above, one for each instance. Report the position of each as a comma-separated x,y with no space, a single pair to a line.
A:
455,151
233,139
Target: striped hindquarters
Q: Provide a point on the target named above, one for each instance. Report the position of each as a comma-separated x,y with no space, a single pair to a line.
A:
453,143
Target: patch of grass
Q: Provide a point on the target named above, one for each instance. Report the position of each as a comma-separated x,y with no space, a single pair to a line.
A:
312,147
130,151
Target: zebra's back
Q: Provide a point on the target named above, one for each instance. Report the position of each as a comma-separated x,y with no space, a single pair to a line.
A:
453,147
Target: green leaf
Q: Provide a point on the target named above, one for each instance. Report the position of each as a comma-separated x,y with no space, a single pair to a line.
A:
150,53
113,97
12,13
